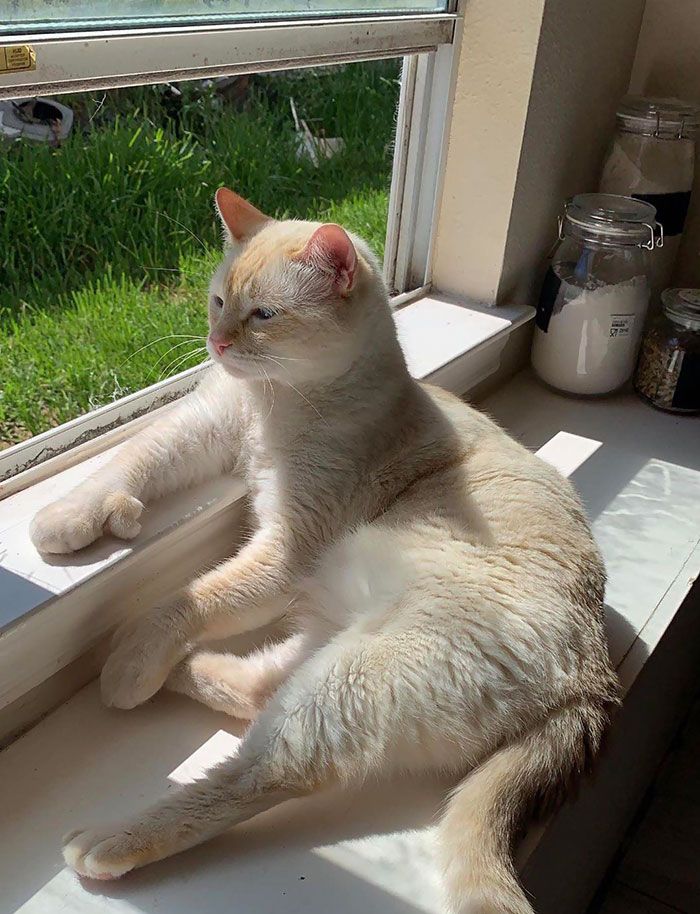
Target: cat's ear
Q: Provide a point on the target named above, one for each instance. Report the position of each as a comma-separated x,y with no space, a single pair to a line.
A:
332,252
240,219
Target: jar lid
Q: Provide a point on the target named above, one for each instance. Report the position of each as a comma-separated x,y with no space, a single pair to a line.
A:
668,118
613,217
683,305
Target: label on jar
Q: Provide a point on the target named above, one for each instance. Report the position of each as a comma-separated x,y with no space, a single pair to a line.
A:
548,296
671,209
621,325
687,392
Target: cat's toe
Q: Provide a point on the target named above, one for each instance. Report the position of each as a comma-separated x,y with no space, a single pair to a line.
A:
106,854
123,513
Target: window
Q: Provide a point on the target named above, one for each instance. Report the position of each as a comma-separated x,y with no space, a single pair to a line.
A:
41,15
113,296
107,230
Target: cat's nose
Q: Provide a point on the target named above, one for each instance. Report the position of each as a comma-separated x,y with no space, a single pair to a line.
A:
220,346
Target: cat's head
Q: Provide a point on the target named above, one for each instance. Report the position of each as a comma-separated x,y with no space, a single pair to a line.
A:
296,301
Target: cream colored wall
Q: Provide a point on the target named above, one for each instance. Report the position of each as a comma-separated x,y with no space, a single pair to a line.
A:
584,60
492,93
537,87
668,64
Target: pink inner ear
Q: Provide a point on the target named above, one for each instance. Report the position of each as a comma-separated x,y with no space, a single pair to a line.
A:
241,218
331,249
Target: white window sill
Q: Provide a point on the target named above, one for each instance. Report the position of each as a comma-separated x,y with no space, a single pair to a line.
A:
639,474
53,610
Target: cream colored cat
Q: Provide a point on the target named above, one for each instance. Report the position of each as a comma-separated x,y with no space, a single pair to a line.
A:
440,584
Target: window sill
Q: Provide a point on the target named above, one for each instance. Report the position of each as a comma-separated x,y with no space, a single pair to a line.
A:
639,473
52,611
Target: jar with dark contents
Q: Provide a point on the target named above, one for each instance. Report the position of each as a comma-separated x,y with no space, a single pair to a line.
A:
652,158
668,373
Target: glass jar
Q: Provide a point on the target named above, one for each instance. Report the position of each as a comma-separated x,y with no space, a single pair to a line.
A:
652,158
595,295
668,374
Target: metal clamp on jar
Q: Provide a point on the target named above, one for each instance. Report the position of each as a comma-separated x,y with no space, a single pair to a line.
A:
595,295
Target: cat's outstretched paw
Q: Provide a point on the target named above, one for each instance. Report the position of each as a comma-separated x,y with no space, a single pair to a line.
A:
104,853
82,517
144,652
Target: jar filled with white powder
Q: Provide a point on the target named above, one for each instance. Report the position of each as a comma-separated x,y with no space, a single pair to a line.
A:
652,158
595,295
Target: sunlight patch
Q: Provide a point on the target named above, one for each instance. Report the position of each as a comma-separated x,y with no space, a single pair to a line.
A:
400,863
567,452
219,747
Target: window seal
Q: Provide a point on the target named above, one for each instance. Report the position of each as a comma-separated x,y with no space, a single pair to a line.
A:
79,62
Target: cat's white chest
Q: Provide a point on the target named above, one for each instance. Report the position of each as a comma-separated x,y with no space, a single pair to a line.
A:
363,576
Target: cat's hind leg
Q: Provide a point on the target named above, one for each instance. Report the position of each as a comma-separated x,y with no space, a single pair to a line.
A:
239,686
356,706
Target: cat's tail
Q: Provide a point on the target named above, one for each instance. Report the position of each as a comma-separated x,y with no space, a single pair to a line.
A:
529,775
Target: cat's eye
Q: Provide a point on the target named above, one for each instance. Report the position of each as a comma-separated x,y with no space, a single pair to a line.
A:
263,314
217,302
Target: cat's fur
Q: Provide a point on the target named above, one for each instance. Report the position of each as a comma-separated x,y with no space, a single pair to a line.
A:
442,589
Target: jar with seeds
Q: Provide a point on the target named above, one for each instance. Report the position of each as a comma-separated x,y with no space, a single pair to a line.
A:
668,373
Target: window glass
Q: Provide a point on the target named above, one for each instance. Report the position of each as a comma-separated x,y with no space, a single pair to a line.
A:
107,226
66,15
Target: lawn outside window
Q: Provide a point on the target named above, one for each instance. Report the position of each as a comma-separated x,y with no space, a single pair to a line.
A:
68,60
116,286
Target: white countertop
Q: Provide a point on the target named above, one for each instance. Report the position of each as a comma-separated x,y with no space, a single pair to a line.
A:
639,473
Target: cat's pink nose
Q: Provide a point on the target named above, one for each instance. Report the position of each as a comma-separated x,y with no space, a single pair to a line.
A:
220,346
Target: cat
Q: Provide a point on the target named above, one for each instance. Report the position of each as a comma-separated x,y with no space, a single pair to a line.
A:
441,589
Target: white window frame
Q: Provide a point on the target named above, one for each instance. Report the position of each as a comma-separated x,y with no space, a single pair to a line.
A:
73,62
80,61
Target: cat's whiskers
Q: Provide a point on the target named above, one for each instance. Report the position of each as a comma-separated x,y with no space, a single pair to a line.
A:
172,349
287,358
176,363
187,355
289,384
172,369
168,336
272,392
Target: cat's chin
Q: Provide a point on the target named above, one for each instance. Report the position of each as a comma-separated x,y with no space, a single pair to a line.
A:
238,371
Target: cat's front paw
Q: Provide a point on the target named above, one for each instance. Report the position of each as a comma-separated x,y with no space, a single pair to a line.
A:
145,650
104,853
82,517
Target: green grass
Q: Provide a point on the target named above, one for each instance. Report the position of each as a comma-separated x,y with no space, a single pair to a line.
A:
106,244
